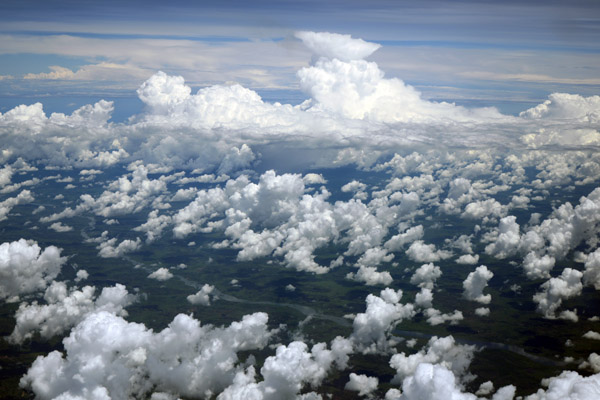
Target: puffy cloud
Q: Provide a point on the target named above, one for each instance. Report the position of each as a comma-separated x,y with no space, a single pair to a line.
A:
397,242
569,385
555,290
362,384
426,275
109,250
124,196
538,267
482,311
507,241
288,371
202,297
468,259
436,317
475,283
592,335
383,313
65,308
566,106
443,351
59,227
155,225
314,179
591,275
421,252
163,274
7,205
118,359
483,209
25,268
370,276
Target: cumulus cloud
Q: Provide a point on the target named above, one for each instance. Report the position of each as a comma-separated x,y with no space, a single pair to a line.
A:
163,274
426,275
109,250
362,384
288,371
7,205
371,329
185,358
221,127
25,268
555,290
421,252
569,385
202,297
475,283
65,308
442,351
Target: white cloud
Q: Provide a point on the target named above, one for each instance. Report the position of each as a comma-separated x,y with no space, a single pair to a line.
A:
362,384
468,259
65,308
371,328
202,297
421,252
288,371
131,360
442,351
109,250
555,290
25,268
592,335
475,283
569,385
426,275
59,227
7,205
163,274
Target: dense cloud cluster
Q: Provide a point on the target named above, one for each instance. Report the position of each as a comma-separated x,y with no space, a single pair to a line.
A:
108,357
25,268
350,101
65,308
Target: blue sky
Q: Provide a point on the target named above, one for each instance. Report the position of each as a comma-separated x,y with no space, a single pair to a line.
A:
479,52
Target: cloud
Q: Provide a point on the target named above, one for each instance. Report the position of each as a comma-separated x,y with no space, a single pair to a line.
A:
362,384
7,205
59,227
109,250
352,112
334,45
426,275
475,283
65,308
288,371
569,385
107,356
202,297
25,268
383,313
440,351
421,252
555,290
163,274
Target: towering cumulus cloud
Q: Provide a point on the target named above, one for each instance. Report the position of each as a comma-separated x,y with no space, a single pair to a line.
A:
350,104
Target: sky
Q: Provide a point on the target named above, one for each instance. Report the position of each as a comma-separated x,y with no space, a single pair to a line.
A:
508,54
303,177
